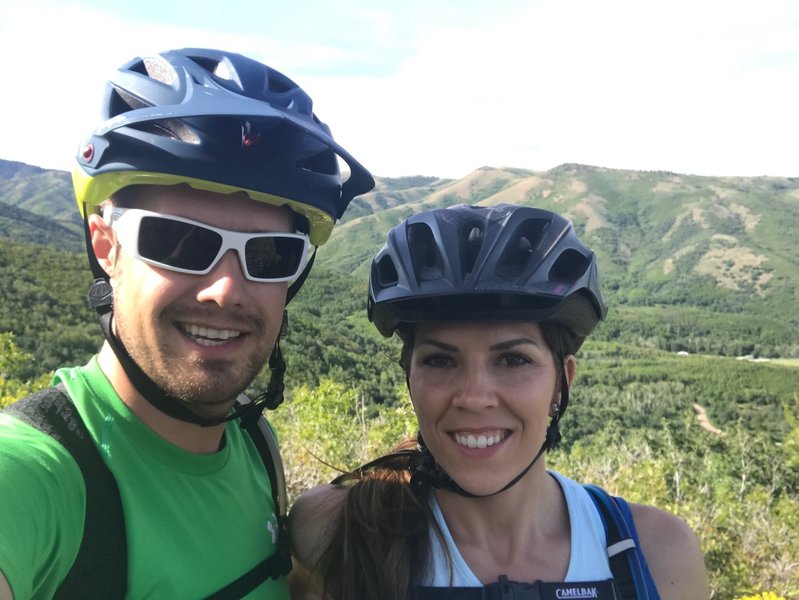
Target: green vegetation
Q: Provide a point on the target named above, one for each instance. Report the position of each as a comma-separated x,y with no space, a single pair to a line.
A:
40,191
38,203
686,396
14,363
737,489
44,306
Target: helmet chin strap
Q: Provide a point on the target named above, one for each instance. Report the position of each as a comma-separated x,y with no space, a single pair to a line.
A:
429,475
169,404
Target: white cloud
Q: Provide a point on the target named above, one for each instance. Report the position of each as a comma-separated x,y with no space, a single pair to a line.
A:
58,73
696,87
702,88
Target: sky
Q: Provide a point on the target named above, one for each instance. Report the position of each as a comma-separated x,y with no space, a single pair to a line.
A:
443,87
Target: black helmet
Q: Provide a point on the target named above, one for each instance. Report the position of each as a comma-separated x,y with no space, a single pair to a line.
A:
473,263
221,122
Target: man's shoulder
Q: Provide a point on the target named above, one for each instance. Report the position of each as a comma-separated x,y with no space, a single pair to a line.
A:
24,446
42,505
81,377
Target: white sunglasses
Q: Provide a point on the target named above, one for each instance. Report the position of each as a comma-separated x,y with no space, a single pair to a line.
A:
188,246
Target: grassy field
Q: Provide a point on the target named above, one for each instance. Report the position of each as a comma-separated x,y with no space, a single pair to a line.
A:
786,362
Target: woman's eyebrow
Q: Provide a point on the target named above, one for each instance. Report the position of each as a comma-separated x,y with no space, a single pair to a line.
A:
500,346
515,342
437,344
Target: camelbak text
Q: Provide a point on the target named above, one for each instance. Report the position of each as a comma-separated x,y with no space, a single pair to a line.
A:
577,593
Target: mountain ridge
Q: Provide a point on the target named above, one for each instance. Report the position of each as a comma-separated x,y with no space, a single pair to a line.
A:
652,225
688,263
733,230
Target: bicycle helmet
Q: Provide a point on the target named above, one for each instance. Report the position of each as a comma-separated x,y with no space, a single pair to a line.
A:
221,122
472,263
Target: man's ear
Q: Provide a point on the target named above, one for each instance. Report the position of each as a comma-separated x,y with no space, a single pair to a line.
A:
103,243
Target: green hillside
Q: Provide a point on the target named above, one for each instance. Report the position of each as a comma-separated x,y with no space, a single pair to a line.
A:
43,192
692,265
654,231
700,264
686,397
718,252
24,226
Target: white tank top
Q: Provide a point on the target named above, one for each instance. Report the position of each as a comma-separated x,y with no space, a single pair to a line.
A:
588,560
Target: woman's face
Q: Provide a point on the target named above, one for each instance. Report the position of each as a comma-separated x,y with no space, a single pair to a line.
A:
483,395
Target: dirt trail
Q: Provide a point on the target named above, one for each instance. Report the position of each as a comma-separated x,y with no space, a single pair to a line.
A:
704,422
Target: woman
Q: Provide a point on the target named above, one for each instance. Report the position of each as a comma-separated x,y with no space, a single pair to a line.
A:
492,303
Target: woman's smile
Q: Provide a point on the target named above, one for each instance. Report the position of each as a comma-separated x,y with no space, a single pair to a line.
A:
479,440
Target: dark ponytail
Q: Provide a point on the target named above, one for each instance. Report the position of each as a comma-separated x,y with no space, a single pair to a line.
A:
380,544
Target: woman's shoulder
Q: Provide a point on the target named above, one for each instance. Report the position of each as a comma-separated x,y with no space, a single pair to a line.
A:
318,497
672,552
310,520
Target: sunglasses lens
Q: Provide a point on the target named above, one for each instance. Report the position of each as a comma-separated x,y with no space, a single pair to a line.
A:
176,244
274,257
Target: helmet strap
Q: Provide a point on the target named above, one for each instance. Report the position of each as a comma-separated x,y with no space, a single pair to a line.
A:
177,409
94,265
297,283
553,436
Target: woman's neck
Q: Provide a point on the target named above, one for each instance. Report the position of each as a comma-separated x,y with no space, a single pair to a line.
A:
523,532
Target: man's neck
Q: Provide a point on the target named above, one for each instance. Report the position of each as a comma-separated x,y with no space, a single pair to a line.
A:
188,436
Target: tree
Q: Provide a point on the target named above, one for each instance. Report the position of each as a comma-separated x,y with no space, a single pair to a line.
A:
12,362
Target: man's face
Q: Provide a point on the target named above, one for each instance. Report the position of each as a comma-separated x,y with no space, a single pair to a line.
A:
202,338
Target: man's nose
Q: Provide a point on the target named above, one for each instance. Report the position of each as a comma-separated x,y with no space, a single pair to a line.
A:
225,284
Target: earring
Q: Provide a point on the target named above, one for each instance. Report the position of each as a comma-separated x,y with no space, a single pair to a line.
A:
555,409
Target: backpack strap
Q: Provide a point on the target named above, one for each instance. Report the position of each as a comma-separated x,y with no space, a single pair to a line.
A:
100,568
627,562
631,577
278,564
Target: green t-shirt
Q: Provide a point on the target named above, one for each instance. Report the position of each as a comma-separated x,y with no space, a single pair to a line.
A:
194,522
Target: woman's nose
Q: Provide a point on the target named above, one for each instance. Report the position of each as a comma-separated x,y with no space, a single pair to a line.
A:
475,390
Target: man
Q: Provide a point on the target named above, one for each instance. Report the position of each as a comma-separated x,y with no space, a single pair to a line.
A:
202,190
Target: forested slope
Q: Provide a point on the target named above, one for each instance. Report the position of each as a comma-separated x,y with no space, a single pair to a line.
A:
701,277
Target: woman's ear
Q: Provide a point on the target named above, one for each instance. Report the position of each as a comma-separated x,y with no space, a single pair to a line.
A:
103,243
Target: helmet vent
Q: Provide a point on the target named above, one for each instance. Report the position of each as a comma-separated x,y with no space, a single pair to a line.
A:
520,248
213,66
279,83
386,273
324,162
160,70
221,70
139,67
570,266
173,129
121,102
472,245
427,263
